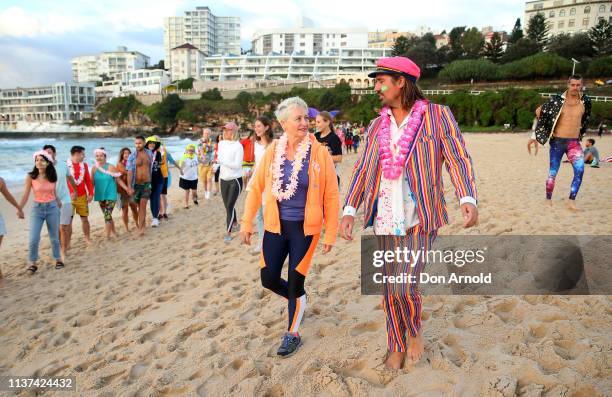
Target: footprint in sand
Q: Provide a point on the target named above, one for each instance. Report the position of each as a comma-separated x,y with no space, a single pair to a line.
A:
370,326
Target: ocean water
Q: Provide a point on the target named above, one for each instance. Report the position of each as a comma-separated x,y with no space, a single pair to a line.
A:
16,153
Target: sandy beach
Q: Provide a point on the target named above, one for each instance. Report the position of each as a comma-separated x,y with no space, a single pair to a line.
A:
181,313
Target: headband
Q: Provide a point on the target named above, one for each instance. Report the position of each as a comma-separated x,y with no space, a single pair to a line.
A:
100,151
43,153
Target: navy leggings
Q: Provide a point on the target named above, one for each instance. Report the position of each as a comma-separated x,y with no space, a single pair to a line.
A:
275,248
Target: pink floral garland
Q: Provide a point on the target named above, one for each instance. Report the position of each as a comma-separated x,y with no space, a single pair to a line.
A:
392,166
277,173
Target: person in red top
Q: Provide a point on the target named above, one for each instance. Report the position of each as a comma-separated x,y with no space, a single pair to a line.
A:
80,172
248,145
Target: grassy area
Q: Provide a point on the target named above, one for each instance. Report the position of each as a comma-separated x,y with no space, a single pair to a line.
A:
537,85
494,128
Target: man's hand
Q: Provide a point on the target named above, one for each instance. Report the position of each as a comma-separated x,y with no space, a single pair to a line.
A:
326,248
74,195
470,214
245,237
346,227
535,144
130,191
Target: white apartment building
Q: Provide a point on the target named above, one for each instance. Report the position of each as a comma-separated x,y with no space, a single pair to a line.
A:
307,41
186,61
201,28
91,68
341,62
569,16
141,81
59,102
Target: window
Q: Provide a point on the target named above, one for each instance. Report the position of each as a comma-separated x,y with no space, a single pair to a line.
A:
560,25
562,13
570,23
587,10
551,14
302,36
538,6
572,11
585,22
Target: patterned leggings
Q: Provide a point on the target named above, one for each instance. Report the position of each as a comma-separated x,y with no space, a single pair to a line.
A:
107,207
403,303
559,147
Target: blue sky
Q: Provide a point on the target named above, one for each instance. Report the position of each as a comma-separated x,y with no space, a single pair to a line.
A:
38,38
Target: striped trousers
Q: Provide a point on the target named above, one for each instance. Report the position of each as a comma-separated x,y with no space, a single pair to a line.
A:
402,302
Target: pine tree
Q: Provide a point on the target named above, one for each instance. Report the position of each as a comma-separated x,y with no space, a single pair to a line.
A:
537,29
494,49
601,37
517,32
401,46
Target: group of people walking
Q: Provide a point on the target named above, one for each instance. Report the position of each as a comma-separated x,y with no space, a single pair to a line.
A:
292,186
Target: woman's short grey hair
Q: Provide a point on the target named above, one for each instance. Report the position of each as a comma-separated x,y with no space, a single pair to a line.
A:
283,108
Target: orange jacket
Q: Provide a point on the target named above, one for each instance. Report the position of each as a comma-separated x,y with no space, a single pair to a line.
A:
322,196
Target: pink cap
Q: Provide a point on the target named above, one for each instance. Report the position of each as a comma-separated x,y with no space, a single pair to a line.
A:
397,65
230,126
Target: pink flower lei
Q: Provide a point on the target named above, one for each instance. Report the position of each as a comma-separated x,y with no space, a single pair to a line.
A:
277,173
392,165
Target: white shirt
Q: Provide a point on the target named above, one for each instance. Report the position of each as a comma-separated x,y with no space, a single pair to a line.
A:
260,149
399,207
230,155
190,169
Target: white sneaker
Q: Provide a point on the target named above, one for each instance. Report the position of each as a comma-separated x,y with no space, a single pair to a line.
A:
155,222
207,195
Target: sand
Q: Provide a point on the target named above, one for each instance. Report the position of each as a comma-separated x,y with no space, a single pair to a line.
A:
182,313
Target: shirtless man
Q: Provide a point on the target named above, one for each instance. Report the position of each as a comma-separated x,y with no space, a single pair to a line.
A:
138,167
564,120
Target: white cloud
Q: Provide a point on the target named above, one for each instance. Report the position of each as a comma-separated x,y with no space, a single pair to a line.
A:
16,22
29,67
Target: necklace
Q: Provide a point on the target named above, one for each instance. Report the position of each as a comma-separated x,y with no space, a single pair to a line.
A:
81,177
392,164
280,153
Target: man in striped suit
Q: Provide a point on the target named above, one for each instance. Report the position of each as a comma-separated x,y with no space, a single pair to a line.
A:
398,180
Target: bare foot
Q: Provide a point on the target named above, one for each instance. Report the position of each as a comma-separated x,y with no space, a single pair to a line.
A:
88,242
415,348
571,205
549,202
141,233
395,360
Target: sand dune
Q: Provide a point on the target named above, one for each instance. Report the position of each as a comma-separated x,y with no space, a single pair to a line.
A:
182,313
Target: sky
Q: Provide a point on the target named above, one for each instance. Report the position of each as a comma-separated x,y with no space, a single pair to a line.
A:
39,37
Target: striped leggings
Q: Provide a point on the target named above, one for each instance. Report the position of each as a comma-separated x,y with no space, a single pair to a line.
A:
402,302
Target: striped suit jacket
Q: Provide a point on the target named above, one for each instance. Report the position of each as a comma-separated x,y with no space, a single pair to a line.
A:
438,141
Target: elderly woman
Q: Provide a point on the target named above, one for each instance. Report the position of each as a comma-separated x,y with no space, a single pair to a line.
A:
298,181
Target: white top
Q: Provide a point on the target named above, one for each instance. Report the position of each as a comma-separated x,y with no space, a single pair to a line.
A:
190,169
396,210
260,149
230,155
